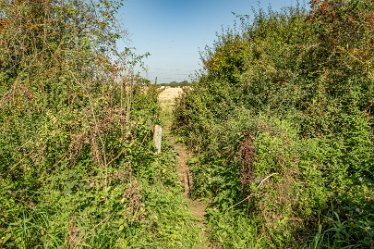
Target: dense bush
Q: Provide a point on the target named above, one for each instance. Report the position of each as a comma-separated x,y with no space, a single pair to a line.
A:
77,164
300,82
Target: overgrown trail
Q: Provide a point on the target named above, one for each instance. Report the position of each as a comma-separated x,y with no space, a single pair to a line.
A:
167,102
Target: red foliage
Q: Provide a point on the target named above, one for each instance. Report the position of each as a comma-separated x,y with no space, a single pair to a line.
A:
371,20
247,151
3,23
314,3
324,7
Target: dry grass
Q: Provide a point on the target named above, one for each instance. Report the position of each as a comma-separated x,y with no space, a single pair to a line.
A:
168,95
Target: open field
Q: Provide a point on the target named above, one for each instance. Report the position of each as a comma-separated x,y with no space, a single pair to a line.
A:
169,94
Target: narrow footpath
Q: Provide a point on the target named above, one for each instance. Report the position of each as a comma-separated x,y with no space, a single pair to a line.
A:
167,103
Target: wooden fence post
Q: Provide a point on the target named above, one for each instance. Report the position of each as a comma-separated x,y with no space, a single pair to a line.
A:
157,138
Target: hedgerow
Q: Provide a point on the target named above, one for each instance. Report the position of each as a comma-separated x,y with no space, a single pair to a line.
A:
299,83
77,164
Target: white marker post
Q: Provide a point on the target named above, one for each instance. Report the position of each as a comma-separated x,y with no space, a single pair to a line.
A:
157,138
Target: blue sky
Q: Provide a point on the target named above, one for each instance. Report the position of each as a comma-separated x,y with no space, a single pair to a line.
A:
175,31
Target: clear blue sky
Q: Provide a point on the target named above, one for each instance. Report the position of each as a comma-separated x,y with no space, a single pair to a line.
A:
175,31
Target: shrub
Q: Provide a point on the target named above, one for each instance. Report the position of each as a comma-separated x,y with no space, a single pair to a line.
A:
77,164
300,83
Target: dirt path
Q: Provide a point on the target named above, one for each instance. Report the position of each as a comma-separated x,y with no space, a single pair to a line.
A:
197,207
167,102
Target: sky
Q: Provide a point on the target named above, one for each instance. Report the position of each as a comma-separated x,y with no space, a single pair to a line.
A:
174,32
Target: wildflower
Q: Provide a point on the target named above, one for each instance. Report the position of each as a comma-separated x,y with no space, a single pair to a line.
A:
358,210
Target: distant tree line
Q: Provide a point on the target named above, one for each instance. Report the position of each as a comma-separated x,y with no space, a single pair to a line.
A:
176,83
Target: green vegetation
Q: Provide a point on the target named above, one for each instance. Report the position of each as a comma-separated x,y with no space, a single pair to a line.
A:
281,123
77,164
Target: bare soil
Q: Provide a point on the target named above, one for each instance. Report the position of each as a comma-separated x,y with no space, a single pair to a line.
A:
197,207
167,100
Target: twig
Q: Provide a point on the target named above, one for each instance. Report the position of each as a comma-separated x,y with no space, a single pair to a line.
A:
97,128
249,196
266,178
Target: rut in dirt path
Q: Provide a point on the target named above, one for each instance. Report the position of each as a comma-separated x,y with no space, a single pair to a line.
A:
197,207
167,103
